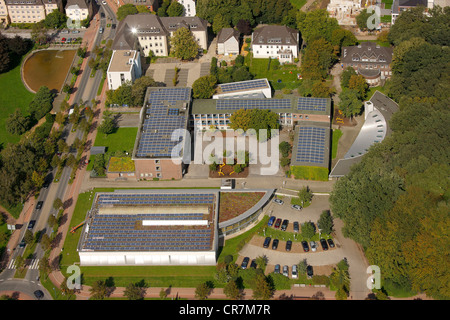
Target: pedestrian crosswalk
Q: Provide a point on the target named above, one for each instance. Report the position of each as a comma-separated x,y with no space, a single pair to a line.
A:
33,264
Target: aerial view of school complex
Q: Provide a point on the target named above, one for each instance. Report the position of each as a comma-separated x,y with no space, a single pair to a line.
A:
234,153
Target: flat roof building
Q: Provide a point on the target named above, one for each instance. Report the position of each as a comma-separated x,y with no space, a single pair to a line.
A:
125,65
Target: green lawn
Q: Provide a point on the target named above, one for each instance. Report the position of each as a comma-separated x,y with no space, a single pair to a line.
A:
298,4
13,95
310,173
121,140
285,76
337,134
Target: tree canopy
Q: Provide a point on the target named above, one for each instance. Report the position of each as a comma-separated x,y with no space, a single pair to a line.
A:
183,44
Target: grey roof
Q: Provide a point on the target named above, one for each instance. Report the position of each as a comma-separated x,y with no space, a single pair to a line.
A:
343,166
412,3
226,33
369,50
273,34
80,3
98,150
385,105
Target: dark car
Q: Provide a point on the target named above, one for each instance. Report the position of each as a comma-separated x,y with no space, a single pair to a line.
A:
39,205
277,268
266,242
309,271
271,221
46,184
288,245
38,294
284,225
305,246
330,243
31,224
253,264
22,244
324,244
244,263
275,244
277,223
296,227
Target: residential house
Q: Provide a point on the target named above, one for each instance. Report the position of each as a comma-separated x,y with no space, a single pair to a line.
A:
124,66
78,10
51,5
369,60
189,7
398,6
276,42
4,19
228,41
153,5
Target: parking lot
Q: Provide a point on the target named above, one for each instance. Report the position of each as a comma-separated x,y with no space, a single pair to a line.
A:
322,261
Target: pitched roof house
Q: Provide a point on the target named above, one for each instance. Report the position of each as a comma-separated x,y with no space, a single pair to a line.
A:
276,42
228,41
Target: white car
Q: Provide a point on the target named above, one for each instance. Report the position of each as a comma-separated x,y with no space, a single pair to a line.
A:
313,246
286,271
296,207
294,272
104,3
278,201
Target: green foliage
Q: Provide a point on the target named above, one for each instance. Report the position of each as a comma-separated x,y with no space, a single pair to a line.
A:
325,222
204,87
126,10
175,9
55,20
345,76
17,123
318,58
315,25
41,103
362,18
183,44
219,23
308,230
108,124
256,119
285,148
350,103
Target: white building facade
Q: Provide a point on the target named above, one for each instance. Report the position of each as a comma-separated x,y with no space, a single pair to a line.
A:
276,42
125,66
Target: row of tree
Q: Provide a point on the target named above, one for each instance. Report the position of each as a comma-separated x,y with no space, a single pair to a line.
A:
11,51
395,201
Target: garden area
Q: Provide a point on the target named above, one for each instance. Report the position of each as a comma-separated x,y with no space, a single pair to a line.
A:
233,204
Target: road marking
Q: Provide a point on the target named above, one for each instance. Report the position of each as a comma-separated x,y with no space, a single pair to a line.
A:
11,264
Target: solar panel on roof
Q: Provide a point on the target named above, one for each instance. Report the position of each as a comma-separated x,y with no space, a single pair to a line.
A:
241,86
230,104
311,145
312,104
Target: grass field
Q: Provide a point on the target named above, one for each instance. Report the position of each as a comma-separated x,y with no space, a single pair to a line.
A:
13,95
285,76
310,173
337,134
121,140
298,4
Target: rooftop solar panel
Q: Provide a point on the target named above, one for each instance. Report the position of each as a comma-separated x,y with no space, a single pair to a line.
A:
243,85
312,104
311,145
229,104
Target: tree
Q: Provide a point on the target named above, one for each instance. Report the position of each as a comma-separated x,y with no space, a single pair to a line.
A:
316,24
183,44
42,103
202,291
362,18
139,88
125,10
204,87
285,148
345,76
325,222
244,27
28,237
57,204
5,58
350,103
232,291
99,290
142,9
17,123
321,90
134,291
262,289
219,23
305,195
318,58
81,52
108,124
175,9
358,83
308,230
55,20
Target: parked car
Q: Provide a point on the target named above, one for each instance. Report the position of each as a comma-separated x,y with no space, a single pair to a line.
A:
244,263
277,223
330,243
324,244
277,268
46,184
305,246
104,3
63,40
296,207
286,271
275,244
39,205
309,271
64,31
31,224
296,227
113,26
313,246
294,272
76,31
253,264
101,30
288,245
266,242
284,225
278,201
271,221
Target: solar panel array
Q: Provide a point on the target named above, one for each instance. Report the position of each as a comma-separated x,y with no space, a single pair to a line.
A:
312,104
158,199
311,145
161,122
244,85
229,104
124,232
